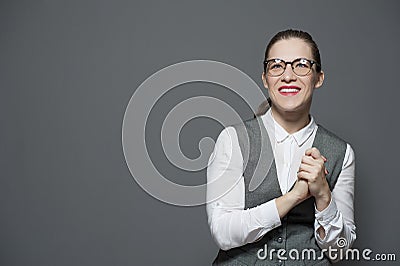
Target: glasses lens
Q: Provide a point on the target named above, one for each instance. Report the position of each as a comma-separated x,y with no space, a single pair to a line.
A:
276,67
301,67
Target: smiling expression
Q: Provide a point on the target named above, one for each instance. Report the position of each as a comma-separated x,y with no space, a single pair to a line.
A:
289,92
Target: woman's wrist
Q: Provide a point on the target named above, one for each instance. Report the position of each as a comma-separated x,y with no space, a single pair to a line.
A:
293,198
286,202
322,201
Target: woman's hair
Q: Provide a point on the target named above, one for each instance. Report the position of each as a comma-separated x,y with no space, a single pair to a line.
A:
286,35
298,34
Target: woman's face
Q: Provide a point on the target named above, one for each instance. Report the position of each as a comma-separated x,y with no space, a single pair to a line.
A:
288,91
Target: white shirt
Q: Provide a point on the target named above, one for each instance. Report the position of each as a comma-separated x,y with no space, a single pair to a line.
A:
232,226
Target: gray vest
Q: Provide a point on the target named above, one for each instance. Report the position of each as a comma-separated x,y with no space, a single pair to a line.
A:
297,229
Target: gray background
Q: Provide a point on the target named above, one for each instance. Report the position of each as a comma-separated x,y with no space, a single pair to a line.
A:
69,68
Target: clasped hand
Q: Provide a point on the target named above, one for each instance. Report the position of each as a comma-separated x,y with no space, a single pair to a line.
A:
311,181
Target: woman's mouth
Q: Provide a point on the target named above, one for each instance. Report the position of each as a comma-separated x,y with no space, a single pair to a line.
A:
289,90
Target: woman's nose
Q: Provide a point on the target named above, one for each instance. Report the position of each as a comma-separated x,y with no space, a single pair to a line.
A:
288,75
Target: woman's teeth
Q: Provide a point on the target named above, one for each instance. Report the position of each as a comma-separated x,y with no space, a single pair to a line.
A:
289,90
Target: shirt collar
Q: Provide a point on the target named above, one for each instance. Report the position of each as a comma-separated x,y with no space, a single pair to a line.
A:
280,134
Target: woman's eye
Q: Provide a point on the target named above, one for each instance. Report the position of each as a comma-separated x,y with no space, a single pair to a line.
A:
300,65
276,66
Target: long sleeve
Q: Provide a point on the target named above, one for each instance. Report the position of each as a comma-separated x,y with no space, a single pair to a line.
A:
230,224
338,218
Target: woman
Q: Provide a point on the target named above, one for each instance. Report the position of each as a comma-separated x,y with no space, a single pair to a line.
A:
301,212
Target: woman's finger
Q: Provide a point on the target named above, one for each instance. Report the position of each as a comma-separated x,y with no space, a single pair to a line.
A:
306,168
314,152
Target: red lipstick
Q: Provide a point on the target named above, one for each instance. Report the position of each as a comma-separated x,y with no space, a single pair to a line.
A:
289,90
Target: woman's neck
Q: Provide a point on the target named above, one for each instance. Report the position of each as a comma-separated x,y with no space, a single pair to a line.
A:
291,121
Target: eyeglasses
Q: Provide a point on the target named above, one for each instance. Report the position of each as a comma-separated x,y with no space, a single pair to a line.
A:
300,66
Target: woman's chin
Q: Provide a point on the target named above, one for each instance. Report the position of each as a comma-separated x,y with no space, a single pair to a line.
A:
291,108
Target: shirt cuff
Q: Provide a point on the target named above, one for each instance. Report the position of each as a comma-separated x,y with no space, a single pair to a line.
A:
325,216
269,215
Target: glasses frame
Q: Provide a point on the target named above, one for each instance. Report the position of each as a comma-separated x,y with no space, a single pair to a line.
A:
312,62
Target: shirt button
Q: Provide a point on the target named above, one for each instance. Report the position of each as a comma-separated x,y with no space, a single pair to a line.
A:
280,239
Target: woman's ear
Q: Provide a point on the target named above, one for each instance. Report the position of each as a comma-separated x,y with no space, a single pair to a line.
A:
320,79
264,80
